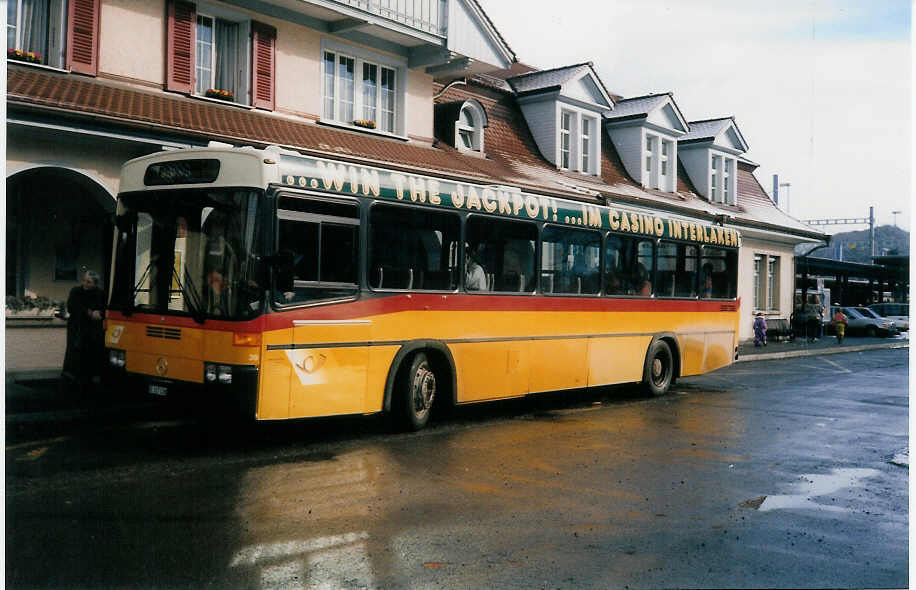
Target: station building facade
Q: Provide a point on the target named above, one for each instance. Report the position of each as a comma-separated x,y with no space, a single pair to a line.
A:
427,86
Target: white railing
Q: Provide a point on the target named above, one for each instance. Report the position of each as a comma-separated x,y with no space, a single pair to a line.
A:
424,15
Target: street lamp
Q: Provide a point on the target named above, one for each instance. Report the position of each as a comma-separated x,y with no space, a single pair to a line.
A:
788,186
895,213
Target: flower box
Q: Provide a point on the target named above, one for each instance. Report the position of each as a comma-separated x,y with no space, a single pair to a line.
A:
26,56
364,123
220,94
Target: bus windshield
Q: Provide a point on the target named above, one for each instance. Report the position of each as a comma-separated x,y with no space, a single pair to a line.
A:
190,252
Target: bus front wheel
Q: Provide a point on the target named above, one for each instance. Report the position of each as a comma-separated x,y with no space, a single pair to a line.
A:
417,392
658,373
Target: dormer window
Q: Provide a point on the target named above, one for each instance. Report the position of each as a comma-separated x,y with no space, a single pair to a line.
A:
565,133
564,108
722,179
469,127
709,154
645,130
577,146
586,144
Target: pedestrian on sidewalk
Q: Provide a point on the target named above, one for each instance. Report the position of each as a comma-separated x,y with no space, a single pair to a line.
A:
85,336
760,330
839,324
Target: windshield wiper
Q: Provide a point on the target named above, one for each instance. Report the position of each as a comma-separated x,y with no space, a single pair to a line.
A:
129,304
190,297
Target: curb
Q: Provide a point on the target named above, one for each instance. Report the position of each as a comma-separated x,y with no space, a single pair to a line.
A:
820,351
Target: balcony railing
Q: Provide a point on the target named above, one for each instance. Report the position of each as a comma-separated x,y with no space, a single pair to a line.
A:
425,15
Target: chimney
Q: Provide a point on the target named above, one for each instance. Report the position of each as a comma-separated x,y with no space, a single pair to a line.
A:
776,189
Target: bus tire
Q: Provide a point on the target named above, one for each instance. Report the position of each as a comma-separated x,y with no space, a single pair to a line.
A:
658,373
417,390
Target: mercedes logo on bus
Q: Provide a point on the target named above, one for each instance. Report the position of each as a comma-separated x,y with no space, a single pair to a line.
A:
162,366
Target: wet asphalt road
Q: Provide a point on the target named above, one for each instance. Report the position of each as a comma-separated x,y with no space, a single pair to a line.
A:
764,474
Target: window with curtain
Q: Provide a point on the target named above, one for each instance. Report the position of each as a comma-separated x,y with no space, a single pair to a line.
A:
35,28
217,58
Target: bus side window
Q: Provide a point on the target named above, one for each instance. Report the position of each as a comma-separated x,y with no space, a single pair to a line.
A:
318,250
629,266
718,273
676,275
570,261
412,248
505,251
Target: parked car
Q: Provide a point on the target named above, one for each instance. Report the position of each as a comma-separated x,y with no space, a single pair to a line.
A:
863,321
898,312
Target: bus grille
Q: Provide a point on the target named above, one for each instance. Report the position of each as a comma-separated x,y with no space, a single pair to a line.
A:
163,332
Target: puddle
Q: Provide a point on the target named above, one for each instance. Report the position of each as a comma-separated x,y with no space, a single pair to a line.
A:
810,488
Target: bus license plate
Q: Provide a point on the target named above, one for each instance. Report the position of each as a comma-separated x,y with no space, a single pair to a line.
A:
158,389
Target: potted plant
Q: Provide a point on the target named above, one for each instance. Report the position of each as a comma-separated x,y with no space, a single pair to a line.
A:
219,94
364,123
26,56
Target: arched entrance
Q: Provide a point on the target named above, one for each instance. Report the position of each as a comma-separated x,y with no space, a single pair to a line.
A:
58,223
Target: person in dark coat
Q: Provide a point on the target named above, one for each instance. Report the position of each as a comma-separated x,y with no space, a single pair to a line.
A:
85,335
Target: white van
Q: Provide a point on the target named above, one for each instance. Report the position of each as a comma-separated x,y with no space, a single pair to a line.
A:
898,312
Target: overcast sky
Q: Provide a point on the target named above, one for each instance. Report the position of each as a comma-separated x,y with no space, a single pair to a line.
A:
820,88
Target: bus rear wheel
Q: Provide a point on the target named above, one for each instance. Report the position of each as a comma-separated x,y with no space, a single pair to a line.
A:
417,393
658,373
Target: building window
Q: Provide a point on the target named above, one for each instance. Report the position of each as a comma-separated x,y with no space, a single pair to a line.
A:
565,132
586,144
773,283
35,27
217,59
663,160
726,182
376,100
650,151
714,179
469,127
758,285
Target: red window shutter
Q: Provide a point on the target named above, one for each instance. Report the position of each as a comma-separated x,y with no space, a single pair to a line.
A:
263,65
83,36
181,36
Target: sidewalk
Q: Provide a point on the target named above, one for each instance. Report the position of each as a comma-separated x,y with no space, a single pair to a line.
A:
826,345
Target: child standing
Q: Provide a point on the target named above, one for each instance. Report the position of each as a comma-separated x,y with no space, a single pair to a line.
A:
760,330
839,325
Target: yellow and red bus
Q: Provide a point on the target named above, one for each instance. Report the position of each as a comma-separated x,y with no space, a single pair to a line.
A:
295,286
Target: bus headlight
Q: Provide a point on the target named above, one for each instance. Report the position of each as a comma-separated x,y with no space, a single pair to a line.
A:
224,374
117,358
214,373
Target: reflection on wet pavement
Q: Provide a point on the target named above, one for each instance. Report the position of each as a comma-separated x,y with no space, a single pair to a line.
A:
816,486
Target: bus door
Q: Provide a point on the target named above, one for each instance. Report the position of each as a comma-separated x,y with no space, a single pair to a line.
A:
329,352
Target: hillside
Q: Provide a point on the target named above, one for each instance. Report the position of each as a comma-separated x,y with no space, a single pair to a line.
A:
856,247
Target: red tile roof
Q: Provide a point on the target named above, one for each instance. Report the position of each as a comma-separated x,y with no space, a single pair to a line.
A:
512,156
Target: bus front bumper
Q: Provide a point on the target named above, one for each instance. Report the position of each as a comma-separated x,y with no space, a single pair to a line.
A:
238,392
